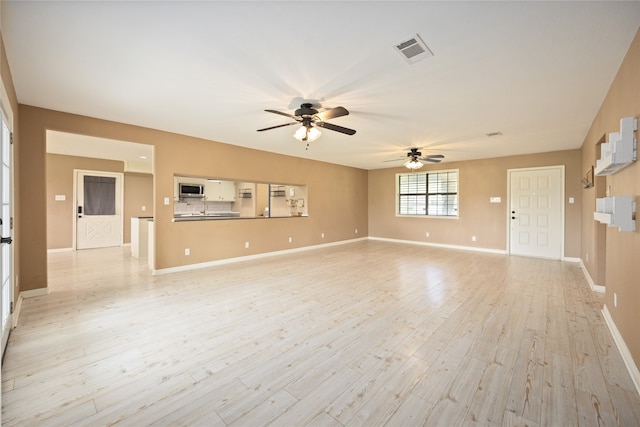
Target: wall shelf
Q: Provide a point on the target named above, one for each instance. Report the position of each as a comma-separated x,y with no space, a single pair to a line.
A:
244,193
617,211
621,150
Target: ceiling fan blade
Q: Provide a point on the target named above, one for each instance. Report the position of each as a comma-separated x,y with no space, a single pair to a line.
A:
432,160
394,160
335,128
434,156
332,113
282,114
279,126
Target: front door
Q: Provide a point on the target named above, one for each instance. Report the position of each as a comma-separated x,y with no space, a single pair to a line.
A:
6,229
536,212
98,209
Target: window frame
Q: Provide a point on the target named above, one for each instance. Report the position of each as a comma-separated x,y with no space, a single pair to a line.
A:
427,173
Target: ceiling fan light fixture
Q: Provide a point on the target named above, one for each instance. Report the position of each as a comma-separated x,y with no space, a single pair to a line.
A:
413,164
307,134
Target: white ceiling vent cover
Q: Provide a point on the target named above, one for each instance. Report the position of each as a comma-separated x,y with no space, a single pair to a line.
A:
414,49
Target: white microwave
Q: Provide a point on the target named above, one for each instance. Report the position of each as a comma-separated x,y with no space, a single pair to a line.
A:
191,190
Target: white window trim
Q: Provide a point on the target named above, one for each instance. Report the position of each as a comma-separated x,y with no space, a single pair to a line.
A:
397,195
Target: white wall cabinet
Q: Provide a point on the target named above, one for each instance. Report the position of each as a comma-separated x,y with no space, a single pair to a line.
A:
620,151
220,191
617,211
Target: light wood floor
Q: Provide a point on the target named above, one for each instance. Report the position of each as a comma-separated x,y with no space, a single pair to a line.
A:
368,333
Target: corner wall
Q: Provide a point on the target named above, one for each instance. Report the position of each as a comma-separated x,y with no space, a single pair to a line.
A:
620,269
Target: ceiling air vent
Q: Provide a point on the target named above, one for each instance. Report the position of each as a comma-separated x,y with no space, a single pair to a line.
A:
414,49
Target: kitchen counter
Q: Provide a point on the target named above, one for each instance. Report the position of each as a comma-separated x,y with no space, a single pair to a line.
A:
208,216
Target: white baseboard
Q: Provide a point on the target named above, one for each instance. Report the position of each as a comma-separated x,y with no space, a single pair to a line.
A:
622,347
249,257
441,245
26,294
571,259
596,288
53,251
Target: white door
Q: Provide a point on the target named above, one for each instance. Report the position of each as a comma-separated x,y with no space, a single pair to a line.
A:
98,209
6,229
536,212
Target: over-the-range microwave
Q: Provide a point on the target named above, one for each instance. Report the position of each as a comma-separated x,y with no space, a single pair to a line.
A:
191,190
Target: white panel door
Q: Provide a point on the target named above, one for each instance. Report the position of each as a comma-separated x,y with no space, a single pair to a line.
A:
536,214
6,229
99,203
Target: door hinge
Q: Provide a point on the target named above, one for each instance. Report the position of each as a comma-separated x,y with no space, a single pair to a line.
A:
11,223
11,138
11,308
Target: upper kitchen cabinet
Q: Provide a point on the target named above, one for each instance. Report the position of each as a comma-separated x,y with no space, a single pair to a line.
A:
220,191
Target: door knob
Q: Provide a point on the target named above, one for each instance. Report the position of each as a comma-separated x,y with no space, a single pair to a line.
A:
6,240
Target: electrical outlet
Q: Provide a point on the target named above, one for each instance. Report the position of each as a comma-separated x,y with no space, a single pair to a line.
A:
246,245
356,231
615,299
473,238
290,239
187,251
144,208
322,235
427,234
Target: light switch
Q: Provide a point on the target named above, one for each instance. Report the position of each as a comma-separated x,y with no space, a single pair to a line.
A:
166,200
60,197
495,200
571,200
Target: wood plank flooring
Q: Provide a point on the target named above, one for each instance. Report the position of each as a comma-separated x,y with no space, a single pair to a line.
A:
363,334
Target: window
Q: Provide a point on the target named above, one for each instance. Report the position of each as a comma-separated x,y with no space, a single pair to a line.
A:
428,193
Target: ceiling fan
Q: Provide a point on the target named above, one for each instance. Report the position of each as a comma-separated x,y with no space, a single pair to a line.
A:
415,158
310,118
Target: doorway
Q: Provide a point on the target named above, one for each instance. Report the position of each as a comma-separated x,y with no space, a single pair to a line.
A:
536,212
98,209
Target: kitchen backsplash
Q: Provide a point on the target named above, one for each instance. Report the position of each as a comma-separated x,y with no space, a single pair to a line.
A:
199,206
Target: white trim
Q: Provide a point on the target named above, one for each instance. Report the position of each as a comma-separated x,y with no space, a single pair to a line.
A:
562,209
249,257
570,259
595,288
441,245
622,347
26,294
34,293
52,251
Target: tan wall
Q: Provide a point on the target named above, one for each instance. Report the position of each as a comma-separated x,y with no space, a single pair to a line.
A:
60,214
337,194
479,180
138,192
608,249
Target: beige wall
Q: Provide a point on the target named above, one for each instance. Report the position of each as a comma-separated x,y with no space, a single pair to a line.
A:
614,255
479,180
138,192
337,194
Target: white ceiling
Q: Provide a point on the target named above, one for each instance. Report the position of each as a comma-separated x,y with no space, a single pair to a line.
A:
535,71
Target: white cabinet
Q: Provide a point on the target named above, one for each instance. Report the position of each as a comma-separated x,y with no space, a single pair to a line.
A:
620,151
617,211
220,191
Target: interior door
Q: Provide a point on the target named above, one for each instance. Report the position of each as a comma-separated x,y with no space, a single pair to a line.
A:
6,229
98,209
536,214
